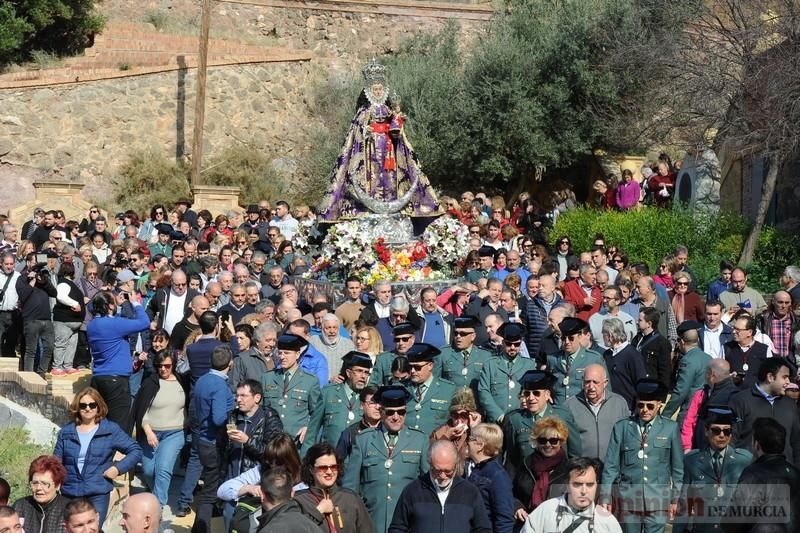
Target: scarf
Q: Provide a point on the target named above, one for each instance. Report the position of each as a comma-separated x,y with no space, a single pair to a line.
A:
542,466
679,307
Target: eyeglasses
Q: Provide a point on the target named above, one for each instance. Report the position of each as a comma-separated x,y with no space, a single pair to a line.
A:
463,333
36,483
362,339
326,468
682,283
512,343
152,287
159,212
528,393
392,412
725,431
418,366
242,242
83,406
164,366
178,284
552,441
650,406
404,338
93,210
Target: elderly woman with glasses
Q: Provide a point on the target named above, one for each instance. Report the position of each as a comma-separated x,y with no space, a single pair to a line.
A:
686,304
544,473
333,508
43,510
86,447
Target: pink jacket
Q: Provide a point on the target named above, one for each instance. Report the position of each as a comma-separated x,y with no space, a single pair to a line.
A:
690,420
627,194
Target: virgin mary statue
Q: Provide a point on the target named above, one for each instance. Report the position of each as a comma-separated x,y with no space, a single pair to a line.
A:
377,170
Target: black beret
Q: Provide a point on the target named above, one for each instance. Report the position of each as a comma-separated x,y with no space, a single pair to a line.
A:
572,325
537,380
688,325
421,351
164,229
486,251
404,328
466,321
354,358
291,342
511,331
253,208
649,389
720,414
392,396
52,254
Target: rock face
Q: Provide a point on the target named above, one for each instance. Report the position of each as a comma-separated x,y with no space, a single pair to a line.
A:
698,182
85,131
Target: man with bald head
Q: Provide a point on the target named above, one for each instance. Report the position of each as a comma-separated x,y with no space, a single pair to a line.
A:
185,327
780,324
595,410
213,292
141,514
691,367
514,266
718,390
171,304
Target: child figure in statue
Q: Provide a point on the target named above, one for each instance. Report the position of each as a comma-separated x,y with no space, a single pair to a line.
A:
377,170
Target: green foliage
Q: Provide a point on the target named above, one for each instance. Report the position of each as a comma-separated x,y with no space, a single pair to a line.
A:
775,251
246,166
56,26
16,454
149,178
159,19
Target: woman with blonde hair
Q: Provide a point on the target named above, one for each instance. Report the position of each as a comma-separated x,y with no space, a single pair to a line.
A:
484,445
367,340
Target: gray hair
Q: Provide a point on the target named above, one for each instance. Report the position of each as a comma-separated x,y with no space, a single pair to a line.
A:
208,261
399,304
225,274
381,283
793,273
68,249
264,328
330,317
442,445
258,254
240,269
680,249
615,329
263,305
583,269
252,283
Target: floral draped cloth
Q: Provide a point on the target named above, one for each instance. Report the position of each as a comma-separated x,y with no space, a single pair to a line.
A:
377,162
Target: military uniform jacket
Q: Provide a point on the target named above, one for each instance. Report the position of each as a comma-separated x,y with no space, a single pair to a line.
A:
382,370
703,488
433,410
298,402
571,368
690,379
337,407
650,482
498,386
450,366
380,482
517,426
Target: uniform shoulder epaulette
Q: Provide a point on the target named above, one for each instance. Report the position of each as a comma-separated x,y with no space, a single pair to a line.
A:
692,453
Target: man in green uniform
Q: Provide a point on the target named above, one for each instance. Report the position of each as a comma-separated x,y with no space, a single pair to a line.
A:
710,475
404,335
569,363
294,393
429,406
340,402
498,387
461,363
486,258
386,459
691,369
536,388
645,462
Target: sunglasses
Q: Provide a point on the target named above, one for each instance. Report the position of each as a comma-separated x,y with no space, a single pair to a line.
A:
552,441
564,242
90,405
403,339
418,366
682,283
392,412
650,406
93,211
167,366
724,431
529,393
463,333
512,343
325,468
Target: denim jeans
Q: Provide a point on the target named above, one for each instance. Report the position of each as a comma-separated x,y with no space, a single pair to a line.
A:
158,464
33,331
66,342
209,457
190,477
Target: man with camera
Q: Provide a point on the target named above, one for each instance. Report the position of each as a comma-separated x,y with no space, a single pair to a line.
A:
35,289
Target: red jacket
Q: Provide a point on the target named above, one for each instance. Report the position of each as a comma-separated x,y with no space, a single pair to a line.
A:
574,294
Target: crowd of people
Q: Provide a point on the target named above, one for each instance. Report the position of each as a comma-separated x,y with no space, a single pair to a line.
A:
551,389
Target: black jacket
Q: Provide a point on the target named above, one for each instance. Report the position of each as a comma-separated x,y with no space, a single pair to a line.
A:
157,307
34,302
624,370
524,482
147,393
769,483
753,358
657,353
286,518
42,519
720,395
419,511
750,405
262,427
370,317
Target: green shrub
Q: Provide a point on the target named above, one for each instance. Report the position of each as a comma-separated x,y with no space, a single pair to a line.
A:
776,250
16,454
149,178
247,166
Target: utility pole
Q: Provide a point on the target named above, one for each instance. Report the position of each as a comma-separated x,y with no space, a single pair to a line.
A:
200,101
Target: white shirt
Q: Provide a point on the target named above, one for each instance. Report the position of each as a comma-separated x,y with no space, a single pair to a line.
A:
382,310
442,493
174,311
10,300
288,226
546,518
711,344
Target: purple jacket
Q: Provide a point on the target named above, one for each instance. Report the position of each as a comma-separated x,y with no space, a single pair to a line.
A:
628,194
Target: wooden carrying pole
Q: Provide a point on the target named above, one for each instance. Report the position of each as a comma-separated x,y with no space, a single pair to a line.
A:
200,101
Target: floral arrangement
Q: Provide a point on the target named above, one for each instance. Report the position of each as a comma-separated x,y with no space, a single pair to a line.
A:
347,251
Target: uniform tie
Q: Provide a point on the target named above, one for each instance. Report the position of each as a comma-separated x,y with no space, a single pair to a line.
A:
421,392
716,460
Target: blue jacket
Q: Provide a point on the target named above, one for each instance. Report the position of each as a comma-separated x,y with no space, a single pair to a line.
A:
498,496
108,440
211,403
419,509
108,342
199,355
314,362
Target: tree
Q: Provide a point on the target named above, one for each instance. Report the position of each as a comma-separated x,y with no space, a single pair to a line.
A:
58,26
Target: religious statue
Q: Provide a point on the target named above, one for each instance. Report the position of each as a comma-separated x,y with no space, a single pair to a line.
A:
377,170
